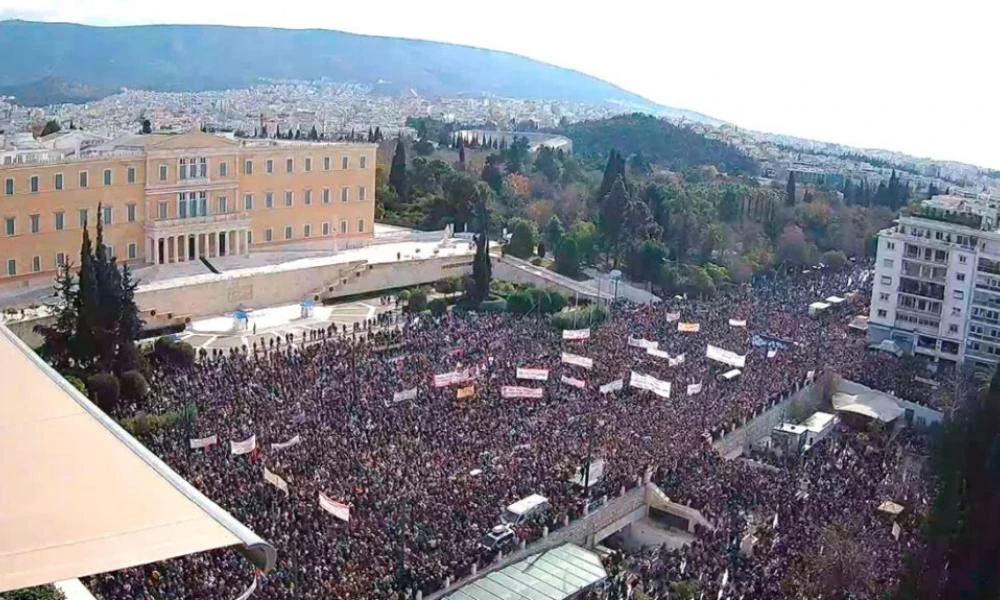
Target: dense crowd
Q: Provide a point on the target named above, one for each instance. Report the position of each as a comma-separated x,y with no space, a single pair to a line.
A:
426,478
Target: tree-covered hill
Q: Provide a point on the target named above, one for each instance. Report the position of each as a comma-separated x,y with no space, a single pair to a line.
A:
656,141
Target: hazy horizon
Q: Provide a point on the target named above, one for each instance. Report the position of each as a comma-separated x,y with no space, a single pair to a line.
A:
890,75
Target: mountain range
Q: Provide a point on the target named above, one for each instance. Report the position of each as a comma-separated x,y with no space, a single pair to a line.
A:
65,62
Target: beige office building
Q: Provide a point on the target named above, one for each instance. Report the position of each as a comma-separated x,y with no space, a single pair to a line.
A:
175,198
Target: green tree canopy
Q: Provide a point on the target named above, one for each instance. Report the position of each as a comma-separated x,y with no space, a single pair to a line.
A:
51,126
523,239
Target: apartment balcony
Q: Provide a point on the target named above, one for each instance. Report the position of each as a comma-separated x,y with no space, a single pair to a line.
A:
201,224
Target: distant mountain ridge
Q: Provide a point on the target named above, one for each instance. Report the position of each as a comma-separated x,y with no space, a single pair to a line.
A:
65,62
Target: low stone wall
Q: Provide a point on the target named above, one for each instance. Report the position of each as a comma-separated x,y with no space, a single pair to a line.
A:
804,399
214,295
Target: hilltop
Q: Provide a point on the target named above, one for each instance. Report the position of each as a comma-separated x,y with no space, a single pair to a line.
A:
64,62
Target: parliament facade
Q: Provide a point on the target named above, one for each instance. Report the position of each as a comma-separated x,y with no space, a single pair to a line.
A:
175,198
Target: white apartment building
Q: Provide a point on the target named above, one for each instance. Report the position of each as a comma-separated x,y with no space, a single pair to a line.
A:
936,286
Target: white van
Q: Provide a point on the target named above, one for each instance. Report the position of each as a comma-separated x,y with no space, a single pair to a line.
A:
525,509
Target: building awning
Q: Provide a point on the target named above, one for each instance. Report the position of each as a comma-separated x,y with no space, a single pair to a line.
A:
552,575
873,406
80,496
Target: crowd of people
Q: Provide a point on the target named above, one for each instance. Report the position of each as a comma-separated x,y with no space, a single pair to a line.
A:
425,477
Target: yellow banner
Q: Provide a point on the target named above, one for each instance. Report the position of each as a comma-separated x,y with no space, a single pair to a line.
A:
466,392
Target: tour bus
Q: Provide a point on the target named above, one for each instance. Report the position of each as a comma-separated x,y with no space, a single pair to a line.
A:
525,509
729,375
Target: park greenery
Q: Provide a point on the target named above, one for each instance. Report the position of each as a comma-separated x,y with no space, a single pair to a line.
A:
92,340
673,210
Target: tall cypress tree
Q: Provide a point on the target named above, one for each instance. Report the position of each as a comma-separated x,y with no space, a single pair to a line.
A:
790,189
397,172
482,269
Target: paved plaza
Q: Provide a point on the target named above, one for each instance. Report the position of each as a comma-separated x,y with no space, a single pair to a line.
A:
222,332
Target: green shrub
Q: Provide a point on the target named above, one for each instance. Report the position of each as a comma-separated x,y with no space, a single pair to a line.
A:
133,385
104,389
77,383
445,286
582,317
540,300
417,301
404,296
42,592
557,300
495,305
537,261
519,303
144,424
186,354
438,306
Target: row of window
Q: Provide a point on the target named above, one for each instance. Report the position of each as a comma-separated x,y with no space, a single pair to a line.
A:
345,163
307,230
132,253
195,204
59,219
188,168
59,182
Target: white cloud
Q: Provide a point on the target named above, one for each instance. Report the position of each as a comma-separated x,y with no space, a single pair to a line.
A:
910,75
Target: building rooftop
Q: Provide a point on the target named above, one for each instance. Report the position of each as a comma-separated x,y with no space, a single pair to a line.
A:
553,575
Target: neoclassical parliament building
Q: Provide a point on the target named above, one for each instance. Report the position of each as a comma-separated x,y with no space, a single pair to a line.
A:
169,198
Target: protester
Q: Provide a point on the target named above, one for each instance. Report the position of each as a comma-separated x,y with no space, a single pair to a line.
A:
426,478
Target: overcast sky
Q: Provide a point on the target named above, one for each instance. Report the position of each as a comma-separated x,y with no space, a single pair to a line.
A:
910,75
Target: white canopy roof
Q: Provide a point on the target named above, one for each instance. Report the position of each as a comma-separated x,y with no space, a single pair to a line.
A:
80,496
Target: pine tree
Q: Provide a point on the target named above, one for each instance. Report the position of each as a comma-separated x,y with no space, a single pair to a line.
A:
378,134
397,172
313,134
371,135
461,154
790,189
59,345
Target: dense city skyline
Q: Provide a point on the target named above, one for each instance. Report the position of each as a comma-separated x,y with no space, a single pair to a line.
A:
875,75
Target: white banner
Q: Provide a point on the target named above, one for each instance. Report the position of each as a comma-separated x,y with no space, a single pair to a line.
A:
337,509
576,334
810,376
641,343
726,357
294,441
514,391
577,383
404,395
689,327
204,442
772,352
580,361
738,323
677,360
896,530
613,386
446,379
694,389
247,445
533,374
674,316
276,481
650,383
658,353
